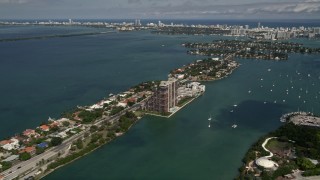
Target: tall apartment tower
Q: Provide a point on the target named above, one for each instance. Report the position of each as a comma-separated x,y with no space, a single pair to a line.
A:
164,97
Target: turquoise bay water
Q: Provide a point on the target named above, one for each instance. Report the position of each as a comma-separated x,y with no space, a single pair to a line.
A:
44,78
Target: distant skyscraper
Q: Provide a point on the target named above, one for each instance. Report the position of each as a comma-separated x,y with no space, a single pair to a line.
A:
246,26
259,25
70,21
137,22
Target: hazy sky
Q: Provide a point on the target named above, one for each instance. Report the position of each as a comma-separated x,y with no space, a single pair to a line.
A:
160,9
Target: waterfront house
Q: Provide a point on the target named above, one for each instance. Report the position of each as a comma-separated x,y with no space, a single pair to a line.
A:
44,128
10,144
29,132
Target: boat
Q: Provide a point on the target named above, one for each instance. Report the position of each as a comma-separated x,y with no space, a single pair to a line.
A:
269,70
249,91
234,126
209,124
235,105
231,111
209,118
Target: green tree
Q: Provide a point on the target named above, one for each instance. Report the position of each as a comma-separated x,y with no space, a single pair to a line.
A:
93,128
305,163
66,123
24,156
39,150
6,165
55,141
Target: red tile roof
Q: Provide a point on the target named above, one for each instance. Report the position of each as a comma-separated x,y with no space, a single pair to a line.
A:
29,132
44,127
4,142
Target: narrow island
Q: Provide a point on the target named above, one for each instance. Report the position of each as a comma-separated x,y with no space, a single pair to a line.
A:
249,49
290,152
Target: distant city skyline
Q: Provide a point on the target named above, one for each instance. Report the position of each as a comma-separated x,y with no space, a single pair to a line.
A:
156,9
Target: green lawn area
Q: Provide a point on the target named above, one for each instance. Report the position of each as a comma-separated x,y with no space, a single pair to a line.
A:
184,101
275,145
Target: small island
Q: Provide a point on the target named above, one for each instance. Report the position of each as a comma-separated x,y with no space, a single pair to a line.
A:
249,49
290,152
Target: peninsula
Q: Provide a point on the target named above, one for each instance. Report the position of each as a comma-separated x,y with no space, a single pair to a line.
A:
290,152
36,152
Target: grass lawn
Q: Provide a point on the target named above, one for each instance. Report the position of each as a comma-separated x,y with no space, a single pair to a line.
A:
275,146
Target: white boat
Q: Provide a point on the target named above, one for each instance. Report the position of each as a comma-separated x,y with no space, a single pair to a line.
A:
235,105
210,118
269,70
249,91
234,126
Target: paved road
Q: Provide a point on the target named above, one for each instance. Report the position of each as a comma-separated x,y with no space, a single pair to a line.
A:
30,164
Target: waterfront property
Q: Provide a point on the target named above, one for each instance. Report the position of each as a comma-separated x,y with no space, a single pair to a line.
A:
249,49
291,151
164,97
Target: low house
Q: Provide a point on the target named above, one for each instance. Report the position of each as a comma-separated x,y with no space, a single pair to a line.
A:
31,150
4,155
44,128
43,145
10,144
29,132
11,158
122,104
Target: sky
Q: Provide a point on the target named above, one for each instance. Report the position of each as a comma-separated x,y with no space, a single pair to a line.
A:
160,9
